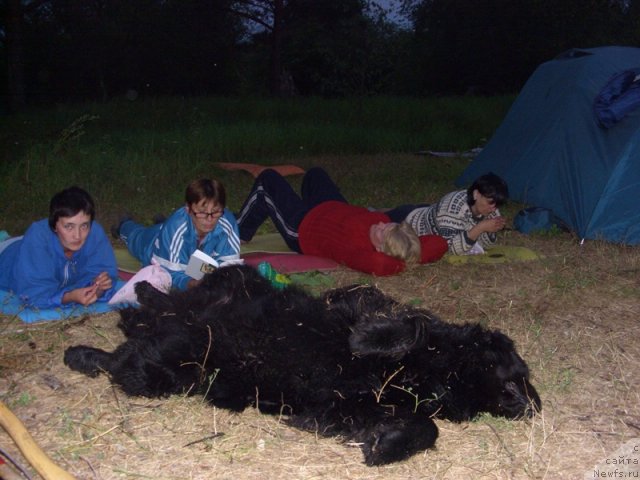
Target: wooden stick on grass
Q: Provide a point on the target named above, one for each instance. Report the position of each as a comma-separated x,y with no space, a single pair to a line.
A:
29,448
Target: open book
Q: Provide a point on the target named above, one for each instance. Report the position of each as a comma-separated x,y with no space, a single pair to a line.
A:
199,264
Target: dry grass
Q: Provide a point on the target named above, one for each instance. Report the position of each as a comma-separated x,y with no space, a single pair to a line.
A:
573,315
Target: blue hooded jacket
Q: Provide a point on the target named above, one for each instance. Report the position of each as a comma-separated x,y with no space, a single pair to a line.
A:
36,269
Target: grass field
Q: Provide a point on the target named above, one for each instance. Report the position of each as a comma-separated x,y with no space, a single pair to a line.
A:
140,156
573,315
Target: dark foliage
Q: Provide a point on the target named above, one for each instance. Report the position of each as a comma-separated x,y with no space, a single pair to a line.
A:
60,50
493,46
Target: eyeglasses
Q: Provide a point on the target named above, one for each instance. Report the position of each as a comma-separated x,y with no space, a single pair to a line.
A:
215,213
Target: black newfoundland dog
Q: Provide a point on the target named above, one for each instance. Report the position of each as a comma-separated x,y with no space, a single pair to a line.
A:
354,363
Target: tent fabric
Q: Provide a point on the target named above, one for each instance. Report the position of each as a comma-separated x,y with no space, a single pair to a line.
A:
553,153
619,96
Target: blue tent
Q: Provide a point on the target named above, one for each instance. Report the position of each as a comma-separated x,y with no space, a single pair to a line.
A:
571,143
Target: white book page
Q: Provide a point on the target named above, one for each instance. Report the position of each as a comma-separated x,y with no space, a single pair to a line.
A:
199,264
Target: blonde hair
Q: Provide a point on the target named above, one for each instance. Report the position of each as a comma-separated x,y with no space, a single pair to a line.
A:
402,242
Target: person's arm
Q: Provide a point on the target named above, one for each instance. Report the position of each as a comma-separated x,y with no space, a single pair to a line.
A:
172,252
226,240
99,268
83,296
174,246
181,280
368,261
455,223
484,232
103,283
192,282
457,238
35,270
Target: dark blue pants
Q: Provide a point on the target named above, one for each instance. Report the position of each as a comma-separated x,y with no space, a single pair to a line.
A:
399,213
272,197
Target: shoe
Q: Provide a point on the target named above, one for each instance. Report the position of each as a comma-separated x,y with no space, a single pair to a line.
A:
115,229
158,218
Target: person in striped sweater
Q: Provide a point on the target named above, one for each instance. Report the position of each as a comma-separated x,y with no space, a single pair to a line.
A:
468,219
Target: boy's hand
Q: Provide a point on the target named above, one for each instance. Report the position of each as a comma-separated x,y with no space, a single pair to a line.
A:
494,224
84,296
102,283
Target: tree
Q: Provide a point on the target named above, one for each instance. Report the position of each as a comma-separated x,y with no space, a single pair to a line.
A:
266,16
95,49
494,45
13,41
329,48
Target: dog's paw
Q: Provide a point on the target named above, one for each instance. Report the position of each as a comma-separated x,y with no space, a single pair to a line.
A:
151,297
88,360
396,441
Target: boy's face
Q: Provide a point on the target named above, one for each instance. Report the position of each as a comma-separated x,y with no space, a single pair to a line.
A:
73,231
483,205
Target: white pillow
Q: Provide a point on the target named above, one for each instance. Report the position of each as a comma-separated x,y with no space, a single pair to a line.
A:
154,274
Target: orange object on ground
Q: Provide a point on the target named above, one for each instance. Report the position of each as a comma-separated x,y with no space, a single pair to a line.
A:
255,169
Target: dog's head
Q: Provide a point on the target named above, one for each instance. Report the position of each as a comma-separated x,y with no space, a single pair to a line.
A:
504,378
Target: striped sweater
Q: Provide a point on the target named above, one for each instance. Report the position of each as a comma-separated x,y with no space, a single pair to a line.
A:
451,218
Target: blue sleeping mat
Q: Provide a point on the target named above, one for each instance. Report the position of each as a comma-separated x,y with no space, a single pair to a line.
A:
10,305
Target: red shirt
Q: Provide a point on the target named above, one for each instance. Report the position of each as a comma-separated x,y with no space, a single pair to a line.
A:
340,231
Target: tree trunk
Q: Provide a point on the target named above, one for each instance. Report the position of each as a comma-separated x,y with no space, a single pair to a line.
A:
15,59
275,64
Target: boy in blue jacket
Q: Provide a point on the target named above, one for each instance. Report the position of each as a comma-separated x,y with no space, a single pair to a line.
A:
64,259
203,223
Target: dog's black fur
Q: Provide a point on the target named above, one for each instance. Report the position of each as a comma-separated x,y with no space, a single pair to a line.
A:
354,363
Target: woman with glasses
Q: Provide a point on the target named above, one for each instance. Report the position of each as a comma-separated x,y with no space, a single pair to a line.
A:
64,259
203,223
468,219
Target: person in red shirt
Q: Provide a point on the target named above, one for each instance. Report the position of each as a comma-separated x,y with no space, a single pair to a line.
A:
321,222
